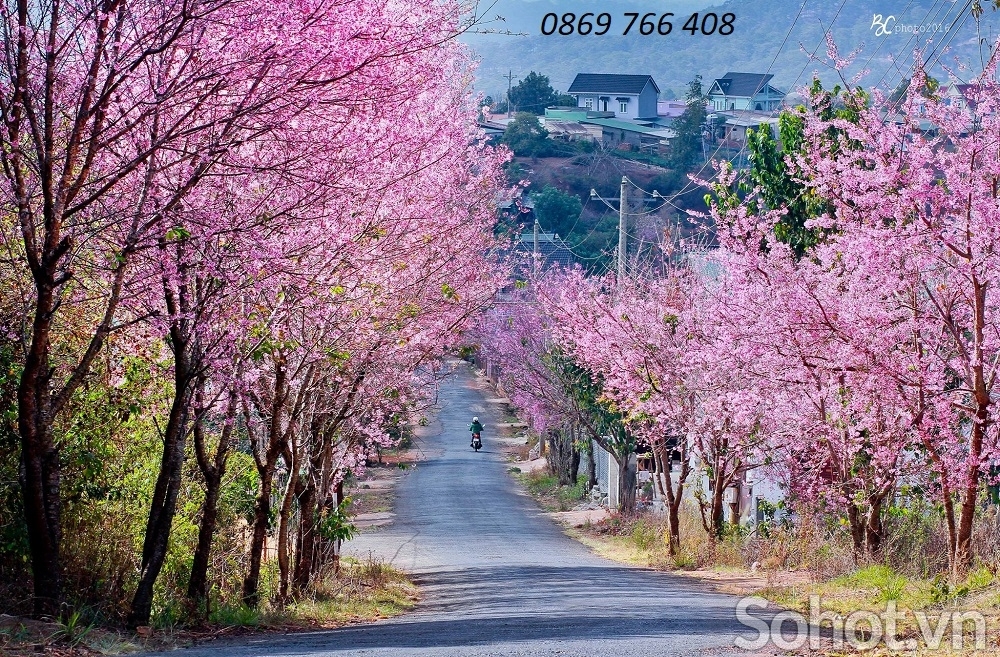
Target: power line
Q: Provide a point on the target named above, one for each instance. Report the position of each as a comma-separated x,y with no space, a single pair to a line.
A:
774,59
940,5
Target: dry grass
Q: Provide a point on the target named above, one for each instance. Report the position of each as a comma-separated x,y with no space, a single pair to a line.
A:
789,565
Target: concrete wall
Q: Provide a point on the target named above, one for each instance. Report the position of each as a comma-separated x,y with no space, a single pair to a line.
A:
642,105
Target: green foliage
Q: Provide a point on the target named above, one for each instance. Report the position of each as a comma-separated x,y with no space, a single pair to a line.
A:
533,94
645,535
515,173
335,524
887,583
769,176
587,391
73,629
13,533
527,138
686,148
236,615
557,211
928,89
545,485
944,590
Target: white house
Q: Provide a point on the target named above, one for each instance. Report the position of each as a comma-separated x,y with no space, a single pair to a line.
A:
628,96
744,91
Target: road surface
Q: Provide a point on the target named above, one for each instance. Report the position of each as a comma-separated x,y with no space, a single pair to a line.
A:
497,576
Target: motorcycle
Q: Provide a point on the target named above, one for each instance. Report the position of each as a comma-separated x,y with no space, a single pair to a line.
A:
477,442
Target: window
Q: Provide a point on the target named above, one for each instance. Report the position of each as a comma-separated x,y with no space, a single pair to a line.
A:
623,105
590,103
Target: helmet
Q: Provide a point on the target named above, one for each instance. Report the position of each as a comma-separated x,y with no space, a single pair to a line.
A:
475,419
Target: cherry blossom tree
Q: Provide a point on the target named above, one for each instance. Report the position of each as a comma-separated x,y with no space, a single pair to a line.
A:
119,119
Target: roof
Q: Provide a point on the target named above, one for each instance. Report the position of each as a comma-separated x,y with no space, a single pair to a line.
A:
751,121
519,204
742,84
618,124
567,127
610,83
671,108
552,251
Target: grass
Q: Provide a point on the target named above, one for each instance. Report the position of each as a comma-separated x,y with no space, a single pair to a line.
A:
545,488
363,591
790,567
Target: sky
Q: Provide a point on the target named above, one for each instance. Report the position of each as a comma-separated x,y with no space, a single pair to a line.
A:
773,36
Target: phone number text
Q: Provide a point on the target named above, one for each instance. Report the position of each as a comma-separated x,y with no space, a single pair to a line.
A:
635,23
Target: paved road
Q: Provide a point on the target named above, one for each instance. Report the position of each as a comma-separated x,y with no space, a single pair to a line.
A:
498,577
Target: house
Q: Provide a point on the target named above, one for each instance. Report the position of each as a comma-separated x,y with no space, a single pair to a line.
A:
744,91
736,125
647,135
628,135
671,109
628,96
553,251
958,95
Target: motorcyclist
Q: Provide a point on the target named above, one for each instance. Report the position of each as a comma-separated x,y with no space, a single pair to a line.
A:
477,429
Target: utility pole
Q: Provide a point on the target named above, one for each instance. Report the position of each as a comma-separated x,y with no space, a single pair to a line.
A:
622,235
622,223
534,250
510,78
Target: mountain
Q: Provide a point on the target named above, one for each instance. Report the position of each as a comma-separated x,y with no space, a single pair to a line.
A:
768,35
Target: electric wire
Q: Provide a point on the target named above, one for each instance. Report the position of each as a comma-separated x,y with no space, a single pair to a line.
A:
690,183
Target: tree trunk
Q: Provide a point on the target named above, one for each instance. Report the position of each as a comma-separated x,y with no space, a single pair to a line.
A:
284,518
40,484
672,495
306,540
213,472
197,591
961,550
336,543
168,484
591,467
563,457
717,509
261,522
266,464
626,483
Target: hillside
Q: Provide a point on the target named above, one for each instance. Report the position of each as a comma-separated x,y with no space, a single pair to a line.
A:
761,27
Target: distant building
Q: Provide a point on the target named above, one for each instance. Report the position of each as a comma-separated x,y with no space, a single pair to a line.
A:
745,91
628,96
736,125
646,135
958,95
670,108
553,251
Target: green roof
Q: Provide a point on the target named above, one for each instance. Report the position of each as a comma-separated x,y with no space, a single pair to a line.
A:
618,124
